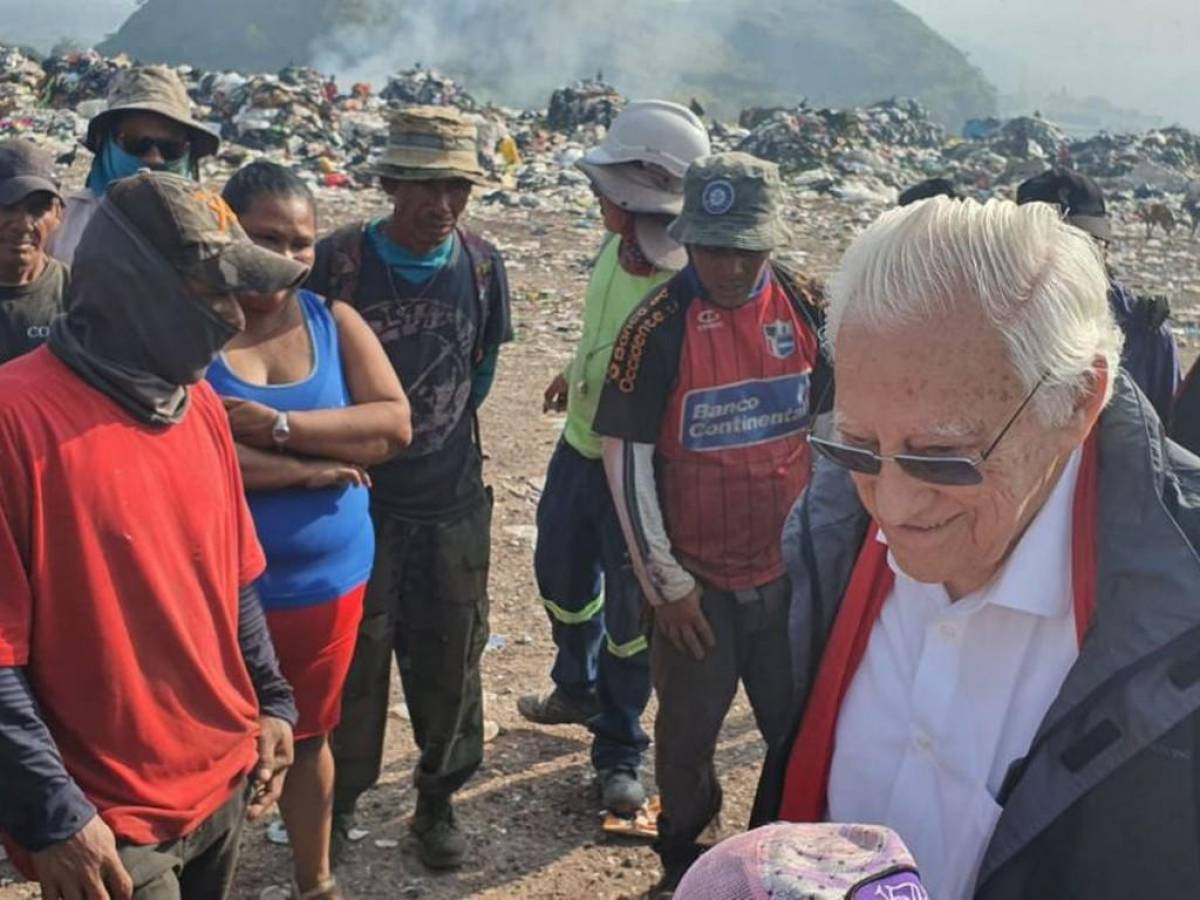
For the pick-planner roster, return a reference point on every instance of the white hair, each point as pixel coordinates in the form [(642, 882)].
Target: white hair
[(1041, 282)]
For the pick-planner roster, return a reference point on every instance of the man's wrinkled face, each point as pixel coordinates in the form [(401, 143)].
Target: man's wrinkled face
[(728, 276), (426, 213), (946, 389), (26, 227)]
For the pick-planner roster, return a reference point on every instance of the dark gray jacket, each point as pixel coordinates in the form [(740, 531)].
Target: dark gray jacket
[(1107, 802)]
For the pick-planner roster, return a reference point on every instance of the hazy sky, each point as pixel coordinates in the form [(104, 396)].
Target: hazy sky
[(1148, 59)]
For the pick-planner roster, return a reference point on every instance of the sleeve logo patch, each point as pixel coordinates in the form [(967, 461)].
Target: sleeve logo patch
[(744, 414)]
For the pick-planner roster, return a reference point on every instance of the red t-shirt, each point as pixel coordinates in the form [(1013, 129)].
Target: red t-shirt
[(122, 550), (724, 395)]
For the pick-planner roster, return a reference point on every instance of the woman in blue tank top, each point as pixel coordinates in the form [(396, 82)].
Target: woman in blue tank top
[(312, 402)]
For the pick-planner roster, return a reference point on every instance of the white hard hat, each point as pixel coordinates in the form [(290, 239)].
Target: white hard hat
[(653, 132)]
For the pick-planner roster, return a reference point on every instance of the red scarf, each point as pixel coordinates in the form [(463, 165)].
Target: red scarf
[(806, 781)]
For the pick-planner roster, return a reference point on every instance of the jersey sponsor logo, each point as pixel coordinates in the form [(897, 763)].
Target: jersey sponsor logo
[(781, 338), (718, 197), (708, 319), (37, 332), (745, 413)]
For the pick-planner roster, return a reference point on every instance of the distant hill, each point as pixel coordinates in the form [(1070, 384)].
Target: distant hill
[(727, 53)]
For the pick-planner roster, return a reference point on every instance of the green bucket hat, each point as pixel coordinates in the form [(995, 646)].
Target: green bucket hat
[(731, 200), (152, 89)]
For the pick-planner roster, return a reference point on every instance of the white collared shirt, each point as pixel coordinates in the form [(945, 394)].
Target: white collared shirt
[(949, 695)]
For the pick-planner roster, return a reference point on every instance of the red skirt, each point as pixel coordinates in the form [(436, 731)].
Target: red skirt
[(315, 645)]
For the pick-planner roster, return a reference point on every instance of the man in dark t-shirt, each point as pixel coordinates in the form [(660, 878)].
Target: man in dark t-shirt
[(705, 416), (32, 284), (436, 295)]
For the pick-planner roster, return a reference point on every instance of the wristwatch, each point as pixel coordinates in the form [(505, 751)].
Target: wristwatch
[(281, 430)]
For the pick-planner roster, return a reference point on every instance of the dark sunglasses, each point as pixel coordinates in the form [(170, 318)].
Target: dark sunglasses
[(951, 471), (169, 150)]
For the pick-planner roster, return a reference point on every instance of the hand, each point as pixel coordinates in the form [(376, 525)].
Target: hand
[(555, 398), (252, 424), (329, 473), (275, 755), (684, 625), (85, 866)]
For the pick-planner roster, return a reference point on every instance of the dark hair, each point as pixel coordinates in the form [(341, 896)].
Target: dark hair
[(265, 179), (931, 187)]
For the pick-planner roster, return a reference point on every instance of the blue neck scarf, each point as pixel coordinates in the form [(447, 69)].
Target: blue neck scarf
[(113, 163), (412, 268)]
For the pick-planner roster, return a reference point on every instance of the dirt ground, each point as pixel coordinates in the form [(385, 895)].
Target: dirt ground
[(532, 811)]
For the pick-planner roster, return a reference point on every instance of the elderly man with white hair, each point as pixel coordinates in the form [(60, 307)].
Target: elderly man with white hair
[(996, 589)]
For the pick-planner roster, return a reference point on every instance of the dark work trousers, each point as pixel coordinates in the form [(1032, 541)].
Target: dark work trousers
[(591, 594), (426, 603), (693, 698), (198, 866)]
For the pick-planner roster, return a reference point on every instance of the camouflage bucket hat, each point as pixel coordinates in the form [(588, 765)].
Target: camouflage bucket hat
[(732, 200), (152, 89), (427, 143)]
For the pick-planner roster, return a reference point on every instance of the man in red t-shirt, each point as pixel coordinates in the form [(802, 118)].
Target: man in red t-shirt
[(141, 707), (705, 416)]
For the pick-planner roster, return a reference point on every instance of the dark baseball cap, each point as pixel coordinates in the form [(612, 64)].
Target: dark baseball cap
[(1077, 196), (199, 235), (25, 169), (930, 187)]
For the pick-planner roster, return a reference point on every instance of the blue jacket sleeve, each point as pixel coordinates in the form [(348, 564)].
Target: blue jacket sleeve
[(40, 804), (274, 693)]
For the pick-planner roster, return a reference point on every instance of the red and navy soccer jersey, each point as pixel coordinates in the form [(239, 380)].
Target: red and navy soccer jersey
[(724, 395)]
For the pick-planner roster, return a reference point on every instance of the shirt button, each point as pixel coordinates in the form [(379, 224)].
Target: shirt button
[(922, 742), (948, 632)]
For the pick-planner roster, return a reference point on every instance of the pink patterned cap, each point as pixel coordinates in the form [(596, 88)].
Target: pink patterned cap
[(806, 862)]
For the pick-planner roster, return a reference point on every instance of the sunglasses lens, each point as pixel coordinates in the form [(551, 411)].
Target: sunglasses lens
[(169, 150), (861, 461), (949, 472)]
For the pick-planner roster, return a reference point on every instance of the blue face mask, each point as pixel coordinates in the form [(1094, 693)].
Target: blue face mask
[(114, 163)]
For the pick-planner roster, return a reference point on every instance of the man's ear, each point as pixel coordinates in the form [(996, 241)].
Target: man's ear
[(1091, 401)]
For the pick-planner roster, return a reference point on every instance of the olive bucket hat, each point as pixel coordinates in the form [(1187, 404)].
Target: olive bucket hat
[(152, 89), (732, 200)]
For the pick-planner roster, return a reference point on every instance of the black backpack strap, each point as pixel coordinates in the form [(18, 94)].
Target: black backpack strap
[(345, 261), (479, 254)]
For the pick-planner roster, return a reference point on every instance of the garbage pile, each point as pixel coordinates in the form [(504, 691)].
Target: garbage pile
[(289, 111), (78, 77), (20, 80), (583, 103), (867, 155), (426, 87)]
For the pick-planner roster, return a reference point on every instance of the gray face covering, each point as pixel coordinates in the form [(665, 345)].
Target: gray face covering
[(134, 329)]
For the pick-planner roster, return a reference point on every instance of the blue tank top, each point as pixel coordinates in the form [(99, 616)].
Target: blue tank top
[(319, 543)]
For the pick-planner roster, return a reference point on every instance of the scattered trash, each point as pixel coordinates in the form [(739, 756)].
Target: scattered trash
[(643, 824), (386, 843), (496, 642), (277, 833)]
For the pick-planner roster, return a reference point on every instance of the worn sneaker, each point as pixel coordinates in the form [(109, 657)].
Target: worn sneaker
[(440, 842), (620, 791), (557, 708)]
